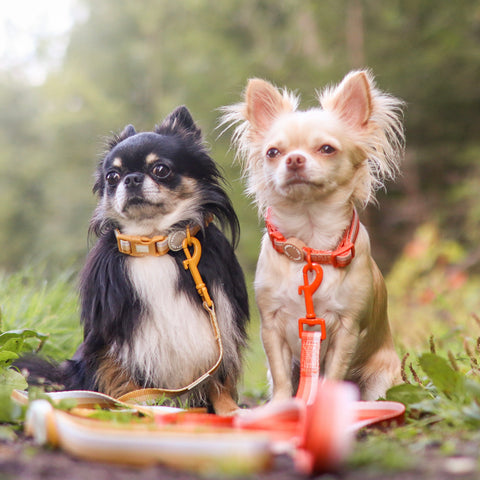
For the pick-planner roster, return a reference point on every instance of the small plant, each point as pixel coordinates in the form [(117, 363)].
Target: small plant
[(442, 398), (166, 401), (119, 417), (12, 344), (29, 304), (447, 388)]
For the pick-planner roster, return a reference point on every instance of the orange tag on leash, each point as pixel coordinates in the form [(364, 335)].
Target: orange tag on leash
[(309, 367)]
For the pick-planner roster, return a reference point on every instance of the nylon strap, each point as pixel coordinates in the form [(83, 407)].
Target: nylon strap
[(311, 340), (309, 367), (296, 250)]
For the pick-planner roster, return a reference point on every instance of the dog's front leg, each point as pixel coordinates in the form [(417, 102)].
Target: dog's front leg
[(221, 397), (341, 348), (279, 358)]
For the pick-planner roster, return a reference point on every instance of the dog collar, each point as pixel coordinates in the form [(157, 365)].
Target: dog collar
[(297, 251), (142, 246)]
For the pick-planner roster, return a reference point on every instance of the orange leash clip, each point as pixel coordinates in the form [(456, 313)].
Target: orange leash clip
[(310, 353), (191, 263)]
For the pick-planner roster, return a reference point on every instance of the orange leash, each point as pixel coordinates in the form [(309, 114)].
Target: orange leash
[(311, 340)]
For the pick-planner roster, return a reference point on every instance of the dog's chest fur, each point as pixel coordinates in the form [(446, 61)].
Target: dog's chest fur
[(173, 343)]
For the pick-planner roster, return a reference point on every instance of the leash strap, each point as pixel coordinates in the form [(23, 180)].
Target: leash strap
[(152, 394), (297, 251), (311, 340), (191, 263), (309, 367)]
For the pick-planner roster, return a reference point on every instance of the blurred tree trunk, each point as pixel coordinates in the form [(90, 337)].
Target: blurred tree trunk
[(354, 33)]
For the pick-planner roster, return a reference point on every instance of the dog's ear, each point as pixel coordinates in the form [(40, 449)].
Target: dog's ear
[(351, 100), (264, 103), (179, 121), (376, 119), (128, 131)]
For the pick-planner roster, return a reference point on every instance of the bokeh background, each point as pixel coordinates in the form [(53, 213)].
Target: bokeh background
[(82, 69)]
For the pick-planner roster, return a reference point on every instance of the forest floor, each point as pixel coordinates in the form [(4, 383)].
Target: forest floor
[(22, 460)]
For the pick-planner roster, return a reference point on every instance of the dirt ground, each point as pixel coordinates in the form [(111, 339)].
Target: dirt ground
[(22, 460)]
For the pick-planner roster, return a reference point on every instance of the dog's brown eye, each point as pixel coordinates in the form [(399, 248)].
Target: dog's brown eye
[(327, 150), (112, 178), (161, 171), (273, 152)]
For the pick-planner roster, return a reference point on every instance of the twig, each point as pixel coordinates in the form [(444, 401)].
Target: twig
[(453, 361), (403, 372)]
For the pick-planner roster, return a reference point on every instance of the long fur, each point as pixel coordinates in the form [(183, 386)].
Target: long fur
[(312, 168), (144, 323)]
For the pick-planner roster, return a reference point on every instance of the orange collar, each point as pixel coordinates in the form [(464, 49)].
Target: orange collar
[(141, 246), (297, 251)]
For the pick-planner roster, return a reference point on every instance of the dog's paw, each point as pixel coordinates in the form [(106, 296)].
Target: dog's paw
[(281, 396), (233, 412), (241, 411)]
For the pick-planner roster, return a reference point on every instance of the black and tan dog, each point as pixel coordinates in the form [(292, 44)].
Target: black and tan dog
[(144, 322)]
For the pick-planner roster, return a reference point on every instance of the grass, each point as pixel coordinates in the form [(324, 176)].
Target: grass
[(255, 384), (31, 300), (433, 305), (35, 312)]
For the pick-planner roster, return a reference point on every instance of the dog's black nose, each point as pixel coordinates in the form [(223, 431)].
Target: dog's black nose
[(133, 180)]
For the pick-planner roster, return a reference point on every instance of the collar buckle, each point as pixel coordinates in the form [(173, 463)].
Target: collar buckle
[(343, 256)]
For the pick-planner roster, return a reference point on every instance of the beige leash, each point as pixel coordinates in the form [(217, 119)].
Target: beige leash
[(191, 263)]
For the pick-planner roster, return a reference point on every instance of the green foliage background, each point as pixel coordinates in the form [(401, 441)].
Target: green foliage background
[(133, 62)]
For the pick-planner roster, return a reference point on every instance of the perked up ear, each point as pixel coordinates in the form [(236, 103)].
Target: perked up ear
[(128, 131), (351, 100), (264, 103), (180, 120)]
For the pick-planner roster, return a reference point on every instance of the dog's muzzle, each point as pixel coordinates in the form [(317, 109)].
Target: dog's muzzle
[(133, 181)]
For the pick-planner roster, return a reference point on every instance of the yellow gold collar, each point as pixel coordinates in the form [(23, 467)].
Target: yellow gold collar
[(141, 246)]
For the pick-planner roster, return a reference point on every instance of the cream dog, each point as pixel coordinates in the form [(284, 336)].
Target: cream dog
[(309, 171)]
